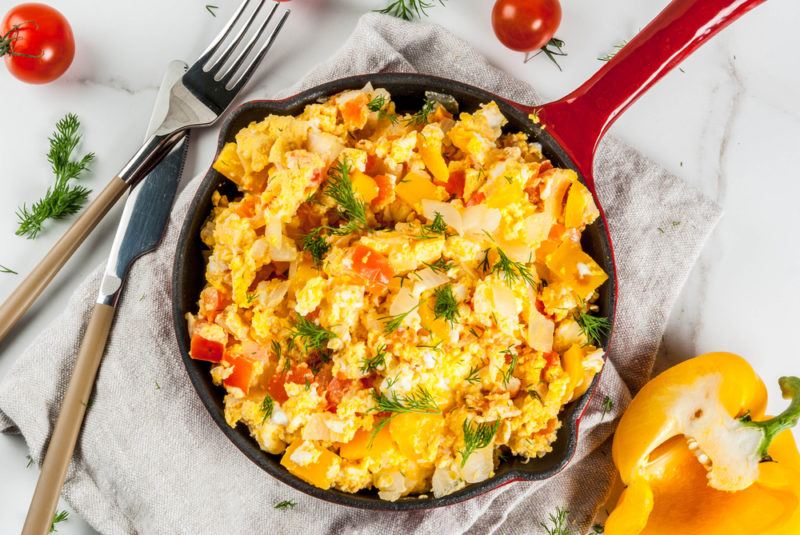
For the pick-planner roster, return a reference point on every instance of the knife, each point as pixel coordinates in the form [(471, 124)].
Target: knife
[(140, 229)]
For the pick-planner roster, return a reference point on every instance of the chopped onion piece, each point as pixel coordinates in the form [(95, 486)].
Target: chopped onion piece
[(449, 212), (403, 302), (504, 301), (275, 294), (540, 331), (428, 280), (537, 227), (325, 145), (480, 218)]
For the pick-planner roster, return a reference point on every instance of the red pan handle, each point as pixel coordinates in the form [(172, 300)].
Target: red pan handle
[(579, 120)]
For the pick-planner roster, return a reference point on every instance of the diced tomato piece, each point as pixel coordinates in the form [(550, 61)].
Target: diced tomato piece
[(556, 231), (368, 381), (551, 358), (337, 389), (384, 189), (298, 375), (545, 166), (477, 198), (242, 374), (208, 350), (455, 184), (211, 302), (372, 265), (372, 164), (247, 207)]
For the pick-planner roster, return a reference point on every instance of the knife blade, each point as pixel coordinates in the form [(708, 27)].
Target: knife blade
[(140, 229)]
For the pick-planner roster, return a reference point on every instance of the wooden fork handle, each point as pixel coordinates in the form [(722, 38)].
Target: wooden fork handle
[(68, 425), (26, 293)]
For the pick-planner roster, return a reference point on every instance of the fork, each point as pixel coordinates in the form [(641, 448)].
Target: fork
[(197, 100)]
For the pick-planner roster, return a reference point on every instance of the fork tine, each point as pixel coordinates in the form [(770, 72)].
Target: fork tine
[(250, 69), (208, 52), (233, 43), (234, 66)]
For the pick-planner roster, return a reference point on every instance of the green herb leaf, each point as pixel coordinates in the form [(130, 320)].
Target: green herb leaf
[(408, 9), (607, 406), (510, 270), (421, 117), (476, 437), (286, 504), (340, 189), (267, 406), (509, 373), (62, 198), (617, 47), (315, 337), (210, 8), (473, 375), (316, 244), (554, 47), (445, 305), (4, 269), (378, 361), (418, 401), (61, 516), (435, 229), (557, 524), (377, 103), (394, 322), (30, 461), (594, 327)]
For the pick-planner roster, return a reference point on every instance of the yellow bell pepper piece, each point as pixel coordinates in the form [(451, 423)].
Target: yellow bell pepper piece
[(229, 165), (690, 449), (364, 444), (320, 472), (505, 194), (430, 148), (571, 265), (364, 185), (572, 362), (438, 326), (413, 433), (414, 187), (580, 209)]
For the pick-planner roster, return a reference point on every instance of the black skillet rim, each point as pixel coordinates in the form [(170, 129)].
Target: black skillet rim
[(211, 395)]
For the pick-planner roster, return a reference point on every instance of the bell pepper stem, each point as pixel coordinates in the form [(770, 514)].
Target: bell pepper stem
[(790, 388)]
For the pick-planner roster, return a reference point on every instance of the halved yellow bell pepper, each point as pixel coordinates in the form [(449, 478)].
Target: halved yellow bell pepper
[(698, 457)]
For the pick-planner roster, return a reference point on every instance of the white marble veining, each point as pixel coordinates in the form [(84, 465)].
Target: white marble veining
[(728, 123)]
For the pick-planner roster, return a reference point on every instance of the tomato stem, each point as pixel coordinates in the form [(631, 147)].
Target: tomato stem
[(11, 36), (790, 388)]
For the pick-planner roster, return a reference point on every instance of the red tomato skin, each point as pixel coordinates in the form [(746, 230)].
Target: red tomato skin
[(525, 25), (299, 374), (208, 350), (384, 189), (455, 184), (242, 373), (43, 32), (372, 265)]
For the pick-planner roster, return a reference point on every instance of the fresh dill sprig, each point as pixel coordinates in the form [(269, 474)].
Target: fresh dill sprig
[(606, 406), (377, 103), (340, 189), (286, 504), (594, 327), (435, 229), (210, 8), (61, 516), (394, 322), (373, 363), (62, 198), (554, 47), (419, 401), (316, 244), (445, 305), (267, 406), (315, 337), (472, 376), (408, 9), (277, 349), (440, 266), (511, 270), (509, 373), (617, 47), (4, 269), (476, 437), (421, 117), (30, 461), (598, 529), (533, 394), (484, 264), (557, 524)]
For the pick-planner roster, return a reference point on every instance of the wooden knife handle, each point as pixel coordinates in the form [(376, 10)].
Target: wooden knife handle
[(68, 425), (26, 293)]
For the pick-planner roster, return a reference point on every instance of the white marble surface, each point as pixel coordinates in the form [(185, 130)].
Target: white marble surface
[(729, 124)]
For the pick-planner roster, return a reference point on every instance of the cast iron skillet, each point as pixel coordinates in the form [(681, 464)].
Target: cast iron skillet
[(569, 131)]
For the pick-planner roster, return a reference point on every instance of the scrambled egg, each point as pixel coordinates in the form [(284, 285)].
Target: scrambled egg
[(395, 300)]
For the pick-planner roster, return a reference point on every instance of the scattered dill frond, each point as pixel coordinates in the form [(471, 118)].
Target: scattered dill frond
[(419, 401), (474, 332), (533, 394), (484, 263), (436, 347), (617, 47), (607, 406), (158, 386), (421, 117), (408, 9), (512, 364), (210, 8), (4, 269), (61, 516), (445, 305), (316, 244), (554, 47), (472, 376), (286, 504), (315, 337), (62, 198), (476, 437), (277, 349), (267, 406), (594, 327), (435, 229), (30, 461), (598, 529), (377, 103), (440, 266), (511, 270), (394, 322), (557, 523), (379, 360), (340, 189)]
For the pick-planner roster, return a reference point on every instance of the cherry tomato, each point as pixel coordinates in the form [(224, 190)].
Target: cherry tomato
[(525, 25), (37, 43), (372, 265)]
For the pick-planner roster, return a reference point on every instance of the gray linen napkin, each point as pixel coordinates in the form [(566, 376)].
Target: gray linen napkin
[(150, 459)]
